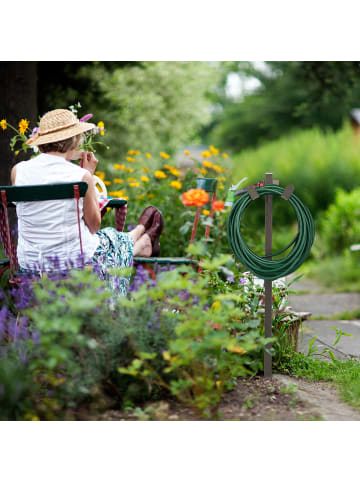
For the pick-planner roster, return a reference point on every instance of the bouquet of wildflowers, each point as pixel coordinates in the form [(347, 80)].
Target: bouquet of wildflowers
[(23, 133), (89, 137)]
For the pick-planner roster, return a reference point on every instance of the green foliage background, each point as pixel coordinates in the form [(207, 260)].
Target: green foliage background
[(152, 106), (290, 96)]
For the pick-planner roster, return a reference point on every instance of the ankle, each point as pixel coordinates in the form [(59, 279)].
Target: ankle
[(137, 232)]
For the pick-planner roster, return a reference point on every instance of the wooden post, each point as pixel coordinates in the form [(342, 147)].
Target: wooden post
[(268, 283)]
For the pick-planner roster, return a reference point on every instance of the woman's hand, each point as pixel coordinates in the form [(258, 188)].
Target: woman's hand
[(89, 161)]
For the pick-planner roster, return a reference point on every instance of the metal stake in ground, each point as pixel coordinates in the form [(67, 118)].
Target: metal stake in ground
[(268, 283)]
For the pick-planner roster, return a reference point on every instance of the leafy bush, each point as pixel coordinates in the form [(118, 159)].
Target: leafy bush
[(339, 224), (63, 340)]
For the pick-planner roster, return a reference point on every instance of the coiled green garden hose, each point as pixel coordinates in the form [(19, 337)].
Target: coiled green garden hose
[(260, 266)]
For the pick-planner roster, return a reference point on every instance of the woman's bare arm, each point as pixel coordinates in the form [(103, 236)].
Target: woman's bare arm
[(92, 216), (13, 175)]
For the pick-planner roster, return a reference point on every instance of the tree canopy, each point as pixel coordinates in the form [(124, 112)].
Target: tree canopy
[(291, 95)]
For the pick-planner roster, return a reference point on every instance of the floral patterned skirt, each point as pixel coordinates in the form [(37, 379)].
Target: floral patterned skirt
[(116, 250)]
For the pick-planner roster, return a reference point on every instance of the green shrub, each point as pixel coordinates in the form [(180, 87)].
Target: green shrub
[(317, 163), (340, 222)]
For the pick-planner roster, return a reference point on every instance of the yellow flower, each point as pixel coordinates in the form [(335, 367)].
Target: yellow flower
[(237, 349), (176, 184), (206, 212), (216, 305), (134, 184), (117, 193), (150, 195), (148, 155), (131, 152), (100, 125), (144, 178), (221, 186), (164, 155), (214, 150), (23, 125), (187, 152), (16, 153), (107, 183), (174, 171), (102, 132), (166, 355), (129, 169), (140, 196), (125, 197), (160, 175), (131, 179), (207, 164), (166, 166), (146, 169), (136, 152), (216, 168), (119, 166), (3, 124), (118, 181), (222, 178), (223, 170), (100, 174), (225, 156), (130, 159), (203, 171), (206, 154)]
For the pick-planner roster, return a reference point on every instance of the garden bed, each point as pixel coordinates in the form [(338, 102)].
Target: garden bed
[(253, 399)]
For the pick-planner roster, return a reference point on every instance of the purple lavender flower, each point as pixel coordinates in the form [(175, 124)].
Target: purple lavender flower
[(242, 281), (230, 278), (86, 117), (196, 300), (149, 324), (131, 227), (34, 131), (36, 338), (22, 357), (184, 295), (141, 276)]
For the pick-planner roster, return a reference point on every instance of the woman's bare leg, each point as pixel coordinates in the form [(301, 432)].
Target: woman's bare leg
[(137, 232), (143, 246)]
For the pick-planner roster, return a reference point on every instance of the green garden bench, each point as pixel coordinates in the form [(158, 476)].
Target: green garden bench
[(48, 192)]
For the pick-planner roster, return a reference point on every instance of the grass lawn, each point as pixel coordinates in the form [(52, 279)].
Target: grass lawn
[(345, 374), (339, 274)]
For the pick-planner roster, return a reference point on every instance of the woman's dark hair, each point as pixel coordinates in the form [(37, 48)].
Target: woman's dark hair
[(61, 146)]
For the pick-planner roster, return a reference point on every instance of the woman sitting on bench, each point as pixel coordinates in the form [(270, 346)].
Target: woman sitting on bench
[(49, 230)]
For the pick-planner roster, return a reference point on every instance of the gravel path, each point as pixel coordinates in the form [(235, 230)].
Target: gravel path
[(322, 397)]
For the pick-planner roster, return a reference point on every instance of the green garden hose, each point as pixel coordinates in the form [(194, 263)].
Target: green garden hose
[(260, 266)]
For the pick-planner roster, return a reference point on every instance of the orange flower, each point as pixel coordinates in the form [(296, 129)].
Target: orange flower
[(218, 205), (195, 197)]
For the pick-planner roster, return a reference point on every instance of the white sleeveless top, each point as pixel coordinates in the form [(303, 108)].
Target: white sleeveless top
[(49, 229)]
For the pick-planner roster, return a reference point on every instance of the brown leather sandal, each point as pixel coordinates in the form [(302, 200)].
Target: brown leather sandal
[(154, 232), (147, 216)]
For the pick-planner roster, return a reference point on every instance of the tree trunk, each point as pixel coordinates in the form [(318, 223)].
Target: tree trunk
[(18, 100)]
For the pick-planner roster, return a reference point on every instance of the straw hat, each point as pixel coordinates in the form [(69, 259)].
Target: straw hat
[(58, 125)]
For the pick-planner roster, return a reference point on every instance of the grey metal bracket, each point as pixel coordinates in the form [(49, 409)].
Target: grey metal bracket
[(252, 192), (288, 192)]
